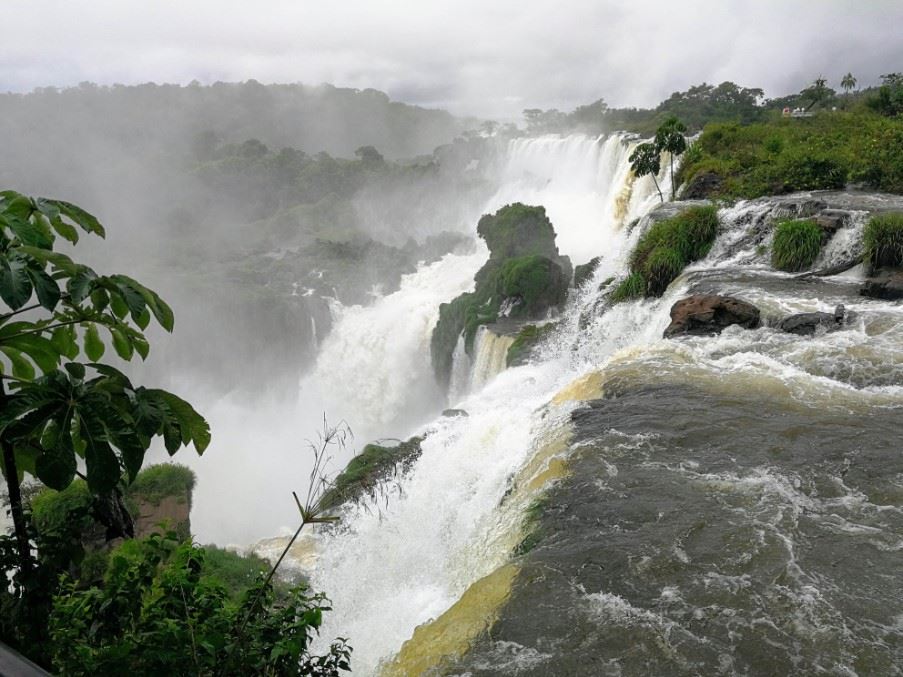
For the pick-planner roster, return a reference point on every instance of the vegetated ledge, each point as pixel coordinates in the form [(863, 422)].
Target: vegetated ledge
[(367, 471), (525, 278), (160, 493), (665, 249)]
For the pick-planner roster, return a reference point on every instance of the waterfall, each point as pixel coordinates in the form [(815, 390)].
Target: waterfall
[(585, 184), (490, 356), (396, 565), (375, 370)]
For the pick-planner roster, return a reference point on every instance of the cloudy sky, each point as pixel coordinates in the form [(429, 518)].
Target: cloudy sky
[(483, 57)]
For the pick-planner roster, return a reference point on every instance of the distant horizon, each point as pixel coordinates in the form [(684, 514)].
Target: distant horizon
[(486, 60), (427, 106)]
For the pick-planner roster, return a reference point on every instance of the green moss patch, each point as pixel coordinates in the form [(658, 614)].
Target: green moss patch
[(796, 245), (517, 230), (882, 241), (528, 338)]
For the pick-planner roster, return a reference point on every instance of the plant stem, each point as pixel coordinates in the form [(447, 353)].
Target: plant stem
[(671, 160), (15, 497), (660, 196)]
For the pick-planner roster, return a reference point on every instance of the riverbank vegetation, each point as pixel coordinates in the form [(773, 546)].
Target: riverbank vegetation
[(73, 601)]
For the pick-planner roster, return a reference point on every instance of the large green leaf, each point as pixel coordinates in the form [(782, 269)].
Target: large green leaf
[(22, 368), (94, 347), (45, 287), (193, 426), (81, 284), (121, 343), (63, 340), (15, 284), (41, 350), (86, 221), (33, 232), (56, 465), (52, 212)]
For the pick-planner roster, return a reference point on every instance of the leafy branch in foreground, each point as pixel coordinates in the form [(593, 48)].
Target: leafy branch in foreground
[(59, 418)]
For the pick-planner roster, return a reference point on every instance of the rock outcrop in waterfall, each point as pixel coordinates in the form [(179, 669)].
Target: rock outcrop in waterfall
[(525, 278)]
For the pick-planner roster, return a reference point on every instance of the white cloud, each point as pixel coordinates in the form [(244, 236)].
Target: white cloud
[(487, 58)]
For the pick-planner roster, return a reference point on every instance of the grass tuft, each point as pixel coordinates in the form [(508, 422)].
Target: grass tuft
[(796, 245), (882, 240)]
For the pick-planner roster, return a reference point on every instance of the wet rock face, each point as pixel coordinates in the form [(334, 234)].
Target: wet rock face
[(702, 186), (706, 314), (806, 324), (886, 284)]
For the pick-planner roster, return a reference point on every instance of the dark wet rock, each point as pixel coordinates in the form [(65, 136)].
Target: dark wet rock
[(705, 314), (797, 207), (885, 284), (832, 220), (454, 413), (702, 186), (806, 324), (584, 271)]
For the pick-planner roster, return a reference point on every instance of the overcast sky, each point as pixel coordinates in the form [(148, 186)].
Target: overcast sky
[(483, 57)]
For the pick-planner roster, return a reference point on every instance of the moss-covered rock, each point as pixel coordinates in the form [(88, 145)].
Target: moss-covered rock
[(518, 230), (160, 493), (525, 278), (526, 341), (530, 286), (364, 473)]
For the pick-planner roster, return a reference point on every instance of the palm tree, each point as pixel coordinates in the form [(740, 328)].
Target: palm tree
[(647, 159), (848, 83), (670, 137)]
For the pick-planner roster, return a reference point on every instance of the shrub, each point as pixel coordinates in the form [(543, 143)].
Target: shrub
[(235, 572), (882, 240), (159, 613), (796, 245), (780, 155)]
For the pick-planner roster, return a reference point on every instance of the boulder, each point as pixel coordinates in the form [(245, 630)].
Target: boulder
[(886, 284), (806, 324), (706, 314), (702, 186), (454, 413), (832, 220)]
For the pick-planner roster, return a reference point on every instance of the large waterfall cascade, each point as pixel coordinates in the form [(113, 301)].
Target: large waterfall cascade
[(444, 530), (406, 561)]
